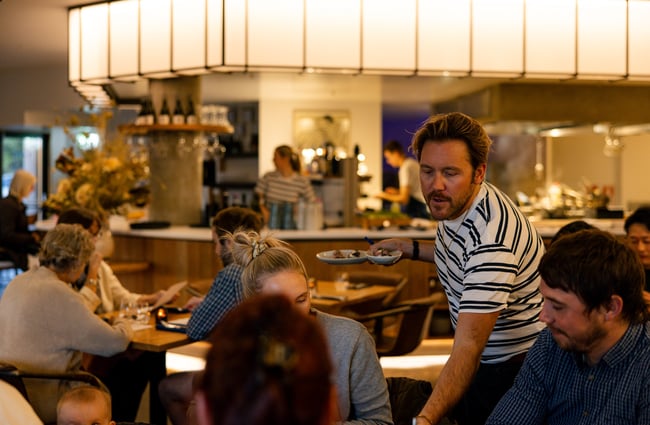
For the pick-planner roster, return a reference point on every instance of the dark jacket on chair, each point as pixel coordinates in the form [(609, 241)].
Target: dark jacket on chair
[(407, 398)]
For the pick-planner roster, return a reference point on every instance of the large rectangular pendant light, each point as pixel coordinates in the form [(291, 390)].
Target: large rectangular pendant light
[(94, 43), (124, 40), (275, 34), (155, 38), (443, 37), (235, 35), (214, 34), (388, 37), (189, 37), (333, 35), (602, 39), (74, 46), (497, 38), (638, 60), (550, 39)]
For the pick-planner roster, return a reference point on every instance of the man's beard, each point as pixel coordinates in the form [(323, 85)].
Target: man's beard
[(455, 208), (581, 345)]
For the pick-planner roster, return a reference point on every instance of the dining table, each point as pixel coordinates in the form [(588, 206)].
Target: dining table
[(333, 297), (147, 337)]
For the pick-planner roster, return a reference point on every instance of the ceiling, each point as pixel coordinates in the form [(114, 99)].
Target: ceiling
[(33, 33)]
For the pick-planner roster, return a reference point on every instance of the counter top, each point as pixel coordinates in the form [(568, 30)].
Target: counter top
[(547, 229)]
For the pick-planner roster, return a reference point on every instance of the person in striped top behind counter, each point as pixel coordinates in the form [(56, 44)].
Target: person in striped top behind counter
[(285, 184), (487, 254)]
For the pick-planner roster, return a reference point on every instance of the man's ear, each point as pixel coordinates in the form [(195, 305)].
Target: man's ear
[(614, 308), (479, 173)]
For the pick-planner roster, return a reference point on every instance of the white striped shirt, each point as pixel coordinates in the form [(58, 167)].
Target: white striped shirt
[(273, 187), (487, 261)]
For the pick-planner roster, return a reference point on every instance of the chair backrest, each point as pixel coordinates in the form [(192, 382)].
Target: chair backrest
[(10, 374), (413, 327), (397, 280), (17, 378)]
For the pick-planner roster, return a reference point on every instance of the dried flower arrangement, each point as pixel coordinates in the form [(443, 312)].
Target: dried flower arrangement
[(104, 179)]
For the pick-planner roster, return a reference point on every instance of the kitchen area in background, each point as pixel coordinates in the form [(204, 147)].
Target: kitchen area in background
[(566, 163)]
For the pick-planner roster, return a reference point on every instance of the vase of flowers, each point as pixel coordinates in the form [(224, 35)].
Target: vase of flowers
[(105, 179)]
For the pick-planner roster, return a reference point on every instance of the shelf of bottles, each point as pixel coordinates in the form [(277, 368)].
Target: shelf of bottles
[(148, 128), (214, 120)]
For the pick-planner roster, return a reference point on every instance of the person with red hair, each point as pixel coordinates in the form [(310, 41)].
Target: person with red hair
[(269, 364)]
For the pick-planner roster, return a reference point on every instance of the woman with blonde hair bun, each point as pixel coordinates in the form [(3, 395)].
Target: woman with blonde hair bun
[(250, 246), (271, 267)]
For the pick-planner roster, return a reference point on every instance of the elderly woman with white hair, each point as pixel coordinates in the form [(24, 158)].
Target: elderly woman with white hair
[(15, 236)]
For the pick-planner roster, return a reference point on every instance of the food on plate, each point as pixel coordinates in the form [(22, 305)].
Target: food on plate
[(383, 252), (340, 254)]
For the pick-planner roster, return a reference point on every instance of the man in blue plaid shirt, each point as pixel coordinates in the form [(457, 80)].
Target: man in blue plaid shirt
[(591, 365), (225, 293)]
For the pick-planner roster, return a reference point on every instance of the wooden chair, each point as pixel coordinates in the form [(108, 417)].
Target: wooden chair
[(398, 280), (17, 378), (411, 327)]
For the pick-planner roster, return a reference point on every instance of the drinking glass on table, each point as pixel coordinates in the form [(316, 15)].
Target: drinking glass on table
[(342, 281), (135, 311), (142, 313), (127, 310)]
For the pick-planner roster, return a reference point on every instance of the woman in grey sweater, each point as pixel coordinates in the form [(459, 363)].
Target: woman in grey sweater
[(45, 325), (271, 267)]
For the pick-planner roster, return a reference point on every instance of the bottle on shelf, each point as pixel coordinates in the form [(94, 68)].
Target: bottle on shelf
[(164, 117), (191, 117), (146, 115), (179, 115), (141, 118), (150, 117)]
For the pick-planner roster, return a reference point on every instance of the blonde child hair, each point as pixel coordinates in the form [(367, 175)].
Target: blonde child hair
[(85, 395)]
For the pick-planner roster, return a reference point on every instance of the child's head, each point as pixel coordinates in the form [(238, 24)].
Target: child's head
[(84, 405)]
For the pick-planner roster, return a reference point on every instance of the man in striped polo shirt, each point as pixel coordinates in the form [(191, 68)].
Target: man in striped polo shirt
[(487, 254)]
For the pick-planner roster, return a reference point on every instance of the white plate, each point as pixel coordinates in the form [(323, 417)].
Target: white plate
[(386, 259), (329, 258)]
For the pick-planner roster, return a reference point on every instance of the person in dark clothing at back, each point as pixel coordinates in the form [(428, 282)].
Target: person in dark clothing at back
[(409, 194), (570, 228), (16, 241), (637, 230)]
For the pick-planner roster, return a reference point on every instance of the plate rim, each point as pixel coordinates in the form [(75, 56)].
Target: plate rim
[(347, 260)]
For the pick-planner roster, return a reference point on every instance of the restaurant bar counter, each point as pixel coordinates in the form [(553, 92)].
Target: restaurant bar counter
[(187, 253)]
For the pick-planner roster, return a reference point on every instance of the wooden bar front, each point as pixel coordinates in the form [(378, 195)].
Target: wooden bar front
[(173, 260)]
